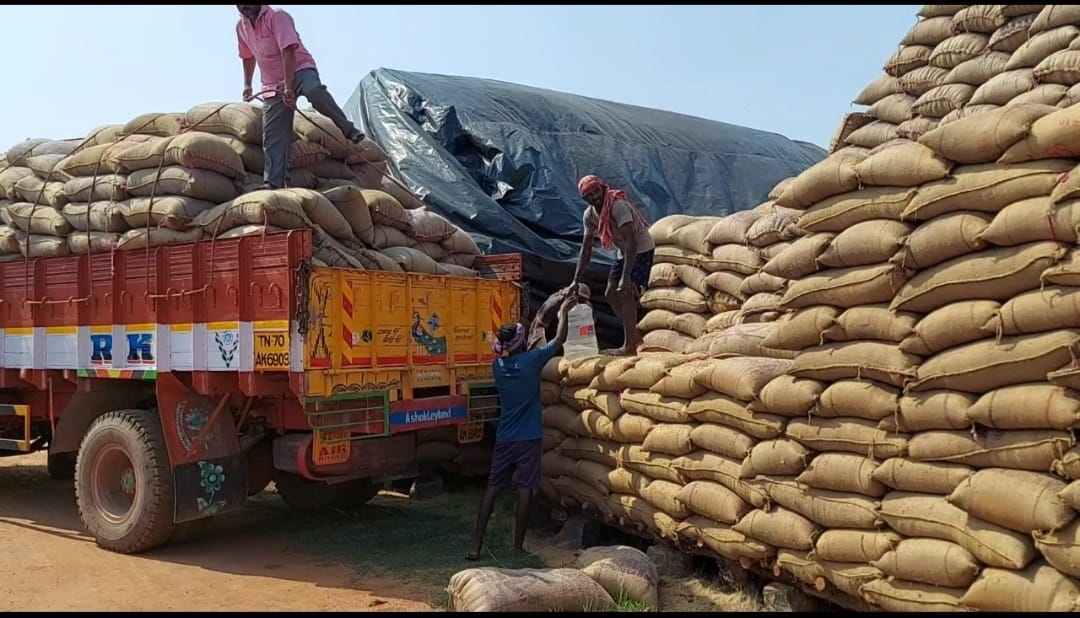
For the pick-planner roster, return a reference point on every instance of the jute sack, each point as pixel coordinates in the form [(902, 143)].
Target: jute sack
[(670, 254), (828, 509), (36, 191), (1038, 47), (647, 371), (837, 213), (930, 410), (92, 242), (663, 276), (958, 48), (722, 440), (847, 436), (526, 590), (167, 211), (385, 210), (1054, 16), (670, 439), (950, 326), (865, 243), (941, 100), (916, 127), (705, 466), (174, 180), (573, 491), (599, 372), (1032, 220), (679, 381), (663, 231), (156, 237), (921, 477), (94, 160), (854, 545), (801, 329), (1068, 185), (923, 516), (623, 481), (741, 378), (880, 88), (843, 472), (157, 124), (801, 565), (714, 501), (930, 561), (36, 219), (194, 149), (780, 187), (1061, 548), (776, 225), (1027, 406), (9, 177), (107, 187), (427, 226), (1049, 308), (1039, 588), (693, 236), (677, 299), (719, 302), (872, 322), (1066, 273), (43, 166), (775, 457), (800, 259), (281, 208), (631, 428), (943, 238), (722, 281), (831, 176), (252, 156), (730, 229), (929, 32), (881, 362), (1018, 449), (864, 399), (1061, 67), (461, 243), (849, 577), (761, 282), (984, 188), (902, 596), (240, 120), (993, 274), (550, 371), (351, 204), (412, 260), (983, 366), (1049, 137), (249, 230), (907, 58), (624, 572), (17, 154), (780, 528), (980, 69), (917, 83), (717, 408), (1046, 94), (661, 494), (746, 340), (760, 303), (1071, 494), (788, 396), (735, 258), (656, 466), (40, 246), (720, 322), (693, 278), (985, 18), (845, 287), (723, 539), (560, 417), (1004, 87), (872, 135), (383, 236), (1014, 499), (549, 393), (9, 243), (591, 473)]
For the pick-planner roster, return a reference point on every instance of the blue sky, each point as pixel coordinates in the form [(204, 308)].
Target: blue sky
[(791, 70)]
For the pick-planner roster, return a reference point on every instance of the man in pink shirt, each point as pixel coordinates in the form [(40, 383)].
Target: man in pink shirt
[(267, 37)]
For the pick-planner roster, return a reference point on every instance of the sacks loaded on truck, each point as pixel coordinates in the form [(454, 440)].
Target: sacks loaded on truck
[(177, 342)]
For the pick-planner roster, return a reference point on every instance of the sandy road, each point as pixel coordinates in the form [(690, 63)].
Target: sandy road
[(241, 563)]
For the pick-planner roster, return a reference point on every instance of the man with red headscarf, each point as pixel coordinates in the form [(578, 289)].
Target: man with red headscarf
[(611, 217)]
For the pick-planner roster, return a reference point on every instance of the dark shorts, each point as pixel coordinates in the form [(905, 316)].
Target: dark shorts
[(516, 463), (639, 273)]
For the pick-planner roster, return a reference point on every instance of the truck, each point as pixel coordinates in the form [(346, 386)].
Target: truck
[(172, 383)]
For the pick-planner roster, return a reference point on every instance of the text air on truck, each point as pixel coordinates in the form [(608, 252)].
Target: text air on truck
[(175, 382)]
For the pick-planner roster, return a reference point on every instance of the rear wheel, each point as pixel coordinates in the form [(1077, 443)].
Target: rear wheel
[(123, 483)]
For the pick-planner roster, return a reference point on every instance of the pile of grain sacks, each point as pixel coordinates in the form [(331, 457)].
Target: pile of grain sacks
[(915, 448), (181, 177)]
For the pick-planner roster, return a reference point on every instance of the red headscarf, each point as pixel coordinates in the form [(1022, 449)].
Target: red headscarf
[(592, 183)]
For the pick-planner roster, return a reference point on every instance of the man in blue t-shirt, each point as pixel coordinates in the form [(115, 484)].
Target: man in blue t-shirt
[(520, 438)]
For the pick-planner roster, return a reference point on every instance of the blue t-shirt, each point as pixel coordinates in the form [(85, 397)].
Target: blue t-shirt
[(517, 380)]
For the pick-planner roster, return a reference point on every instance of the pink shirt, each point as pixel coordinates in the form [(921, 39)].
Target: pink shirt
[(274, 30)]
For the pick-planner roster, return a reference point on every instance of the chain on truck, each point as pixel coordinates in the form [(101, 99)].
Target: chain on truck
[(172, 383)]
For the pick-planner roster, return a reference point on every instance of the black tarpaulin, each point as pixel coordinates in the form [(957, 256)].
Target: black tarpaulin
[(502, 162)]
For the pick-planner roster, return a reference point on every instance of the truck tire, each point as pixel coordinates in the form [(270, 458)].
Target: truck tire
[(61, 466), (123, 482)]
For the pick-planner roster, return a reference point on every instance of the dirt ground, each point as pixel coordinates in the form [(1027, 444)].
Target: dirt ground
[(393, 555)]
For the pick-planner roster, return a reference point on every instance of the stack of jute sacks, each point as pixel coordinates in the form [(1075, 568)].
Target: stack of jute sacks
[(180, 177), (917, 451), (707, 274)]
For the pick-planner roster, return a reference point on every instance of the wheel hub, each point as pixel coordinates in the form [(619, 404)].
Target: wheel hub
[(114, 483)]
